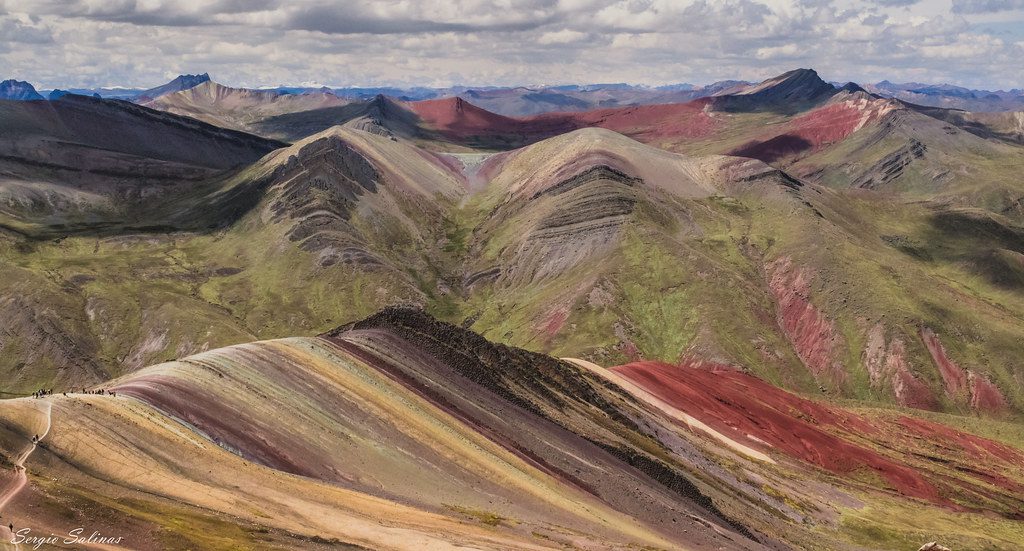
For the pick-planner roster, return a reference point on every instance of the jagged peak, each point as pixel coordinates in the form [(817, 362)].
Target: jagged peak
[(18, 90), (198, 78), (181, 82)]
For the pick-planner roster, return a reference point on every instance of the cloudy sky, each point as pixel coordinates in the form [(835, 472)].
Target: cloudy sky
[(66, 43)]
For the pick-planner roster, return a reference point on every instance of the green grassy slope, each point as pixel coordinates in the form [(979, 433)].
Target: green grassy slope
[(670, 258)]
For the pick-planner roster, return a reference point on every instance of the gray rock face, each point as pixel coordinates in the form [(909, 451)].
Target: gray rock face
[(317, 189), (575, 219)]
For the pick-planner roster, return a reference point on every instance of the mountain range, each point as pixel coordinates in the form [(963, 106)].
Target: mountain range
[(532, 100), (783, 315)]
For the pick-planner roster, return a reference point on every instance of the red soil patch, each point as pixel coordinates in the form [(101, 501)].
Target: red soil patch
[(832, 123), (890, 363), (953, 376), (457, 118), (821, 127), (912, 456), (911, 392), (982, 450), (960, 384), (985, 396), (554, 321), (971, 456), (731, 401), (813, 336), (814, 130), (647, 122)]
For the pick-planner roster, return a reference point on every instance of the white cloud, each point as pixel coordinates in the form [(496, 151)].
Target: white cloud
[(786, 51), (65, 43), (564, 36), (965, 46)]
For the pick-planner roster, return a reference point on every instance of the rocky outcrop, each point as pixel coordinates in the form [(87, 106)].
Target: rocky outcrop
[(891, 166), (954, 378)]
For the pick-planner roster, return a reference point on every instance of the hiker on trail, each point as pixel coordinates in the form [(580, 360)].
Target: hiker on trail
[(35, 438)]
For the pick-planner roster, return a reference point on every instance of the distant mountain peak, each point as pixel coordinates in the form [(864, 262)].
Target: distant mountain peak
[(190, 81), (380, 104), (181, 82), (453, 103), (796, 84), (198, 79), (852, 87), (18, 90), (797, 73), (789, 92)]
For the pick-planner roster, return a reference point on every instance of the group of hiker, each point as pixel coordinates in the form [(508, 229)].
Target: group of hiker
[(97, 391), (47, 392)]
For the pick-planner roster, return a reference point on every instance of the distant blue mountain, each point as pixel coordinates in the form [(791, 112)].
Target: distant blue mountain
[(18, 90), (57, 94)]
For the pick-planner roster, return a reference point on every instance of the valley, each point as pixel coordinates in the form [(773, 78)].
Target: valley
[(783, 315)]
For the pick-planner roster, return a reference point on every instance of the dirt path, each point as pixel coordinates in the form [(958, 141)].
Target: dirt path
[(11, 489)]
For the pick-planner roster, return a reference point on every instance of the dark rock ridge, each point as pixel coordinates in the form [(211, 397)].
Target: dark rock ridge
[(124, 127), (891, 166), (132, 162), (788, 92)]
